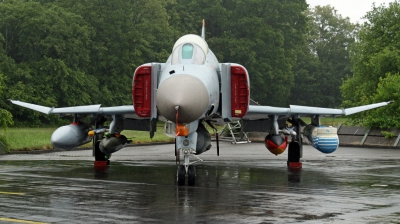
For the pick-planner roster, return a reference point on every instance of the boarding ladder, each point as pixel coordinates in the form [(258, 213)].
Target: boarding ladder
[(237, 137)]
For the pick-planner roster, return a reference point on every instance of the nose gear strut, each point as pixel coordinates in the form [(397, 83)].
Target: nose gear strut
[(187, 169)]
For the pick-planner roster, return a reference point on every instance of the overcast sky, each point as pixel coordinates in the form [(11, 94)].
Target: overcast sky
[(354, 9)]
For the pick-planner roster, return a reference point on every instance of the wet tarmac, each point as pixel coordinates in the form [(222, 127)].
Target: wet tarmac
[(245, 184)]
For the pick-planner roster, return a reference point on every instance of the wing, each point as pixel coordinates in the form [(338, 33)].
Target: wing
[(262, 112), (80, 132), (88, 109)]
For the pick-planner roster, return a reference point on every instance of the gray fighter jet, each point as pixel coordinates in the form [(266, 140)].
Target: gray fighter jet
[(189, 90)]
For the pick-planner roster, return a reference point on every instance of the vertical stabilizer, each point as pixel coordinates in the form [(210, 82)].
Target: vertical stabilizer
[(203, 30)]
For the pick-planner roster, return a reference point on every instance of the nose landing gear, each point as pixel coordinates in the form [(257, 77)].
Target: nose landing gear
[(181, 175), (187, 169)]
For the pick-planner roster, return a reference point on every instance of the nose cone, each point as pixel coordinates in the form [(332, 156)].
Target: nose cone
[(185, 91)]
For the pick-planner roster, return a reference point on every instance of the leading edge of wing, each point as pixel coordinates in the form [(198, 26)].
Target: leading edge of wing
[(259, 112), (88, 109)]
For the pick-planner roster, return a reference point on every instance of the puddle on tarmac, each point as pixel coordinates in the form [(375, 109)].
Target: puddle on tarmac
[(237, 192)]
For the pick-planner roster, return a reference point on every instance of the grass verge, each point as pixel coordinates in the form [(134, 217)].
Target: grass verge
[(17, 139), (29, 139)]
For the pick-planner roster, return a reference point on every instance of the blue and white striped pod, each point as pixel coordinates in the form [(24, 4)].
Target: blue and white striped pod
[(324, 139)]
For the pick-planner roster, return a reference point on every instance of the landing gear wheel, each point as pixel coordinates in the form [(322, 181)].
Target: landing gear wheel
[(294, 156), (180, 175), (191, 175), (100, 161), (294, 152), (98, 155)]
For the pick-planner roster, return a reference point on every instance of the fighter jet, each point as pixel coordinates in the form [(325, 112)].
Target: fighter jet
[(191, 90)]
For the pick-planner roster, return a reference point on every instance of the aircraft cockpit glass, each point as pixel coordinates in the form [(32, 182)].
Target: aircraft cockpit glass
[(188, 54), (187, 51)]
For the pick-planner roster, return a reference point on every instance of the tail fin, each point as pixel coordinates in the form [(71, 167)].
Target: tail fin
[(203, 30)]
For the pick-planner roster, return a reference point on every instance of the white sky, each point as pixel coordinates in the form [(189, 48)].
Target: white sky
[(354, 9)]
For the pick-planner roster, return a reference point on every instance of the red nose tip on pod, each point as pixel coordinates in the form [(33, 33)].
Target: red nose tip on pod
[(276, 144)]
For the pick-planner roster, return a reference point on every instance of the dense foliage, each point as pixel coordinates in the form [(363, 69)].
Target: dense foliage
[(76, 52), (66, 53), (376, 62), (325, 60), (264, 36)]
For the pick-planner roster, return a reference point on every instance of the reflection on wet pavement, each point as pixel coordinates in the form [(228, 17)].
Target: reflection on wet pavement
[(225, 192)]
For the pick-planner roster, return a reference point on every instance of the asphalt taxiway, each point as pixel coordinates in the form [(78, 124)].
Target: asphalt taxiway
[(245, 184)]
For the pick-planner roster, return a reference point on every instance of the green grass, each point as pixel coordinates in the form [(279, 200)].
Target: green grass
[(329, 121), (27, 138), (144, 136)]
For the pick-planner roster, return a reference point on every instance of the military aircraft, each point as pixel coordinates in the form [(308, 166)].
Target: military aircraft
[(190, 90)]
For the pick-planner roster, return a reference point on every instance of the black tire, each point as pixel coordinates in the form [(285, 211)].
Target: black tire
[(180, 175), (98, 155), (191, 175), (294, 152)]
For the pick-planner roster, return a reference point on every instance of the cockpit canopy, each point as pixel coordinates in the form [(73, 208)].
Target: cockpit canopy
[(189, 49)]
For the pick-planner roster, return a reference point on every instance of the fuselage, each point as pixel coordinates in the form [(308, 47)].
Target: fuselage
[(189, 84)]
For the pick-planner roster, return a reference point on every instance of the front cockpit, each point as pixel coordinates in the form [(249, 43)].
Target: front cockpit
[(188, 81), (189, 49)]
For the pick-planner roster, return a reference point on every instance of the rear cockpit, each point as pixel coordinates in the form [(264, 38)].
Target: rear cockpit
[(189, 49)]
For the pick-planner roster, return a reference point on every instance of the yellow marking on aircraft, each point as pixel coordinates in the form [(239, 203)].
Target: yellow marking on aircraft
[(21, 221), (12, 193)]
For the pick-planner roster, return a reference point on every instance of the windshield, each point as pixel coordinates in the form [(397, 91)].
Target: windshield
[(188, 54), (187, 51)]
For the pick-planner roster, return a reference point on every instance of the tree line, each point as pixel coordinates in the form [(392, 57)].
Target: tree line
[(74, 52)]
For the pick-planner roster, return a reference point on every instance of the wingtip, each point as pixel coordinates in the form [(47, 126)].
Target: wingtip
[(390, 102)]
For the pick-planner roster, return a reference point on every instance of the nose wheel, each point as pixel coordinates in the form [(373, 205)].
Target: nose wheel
[(187, 170), (181, 175), (191, 175)]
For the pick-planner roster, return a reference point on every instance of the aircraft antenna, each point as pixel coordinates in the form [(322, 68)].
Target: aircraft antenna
[(203, 30)]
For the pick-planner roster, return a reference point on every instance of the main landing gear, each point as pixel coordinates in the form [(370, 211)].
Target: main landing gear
[(295, 146), (187, 170), (100, 159), (294, 155)]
